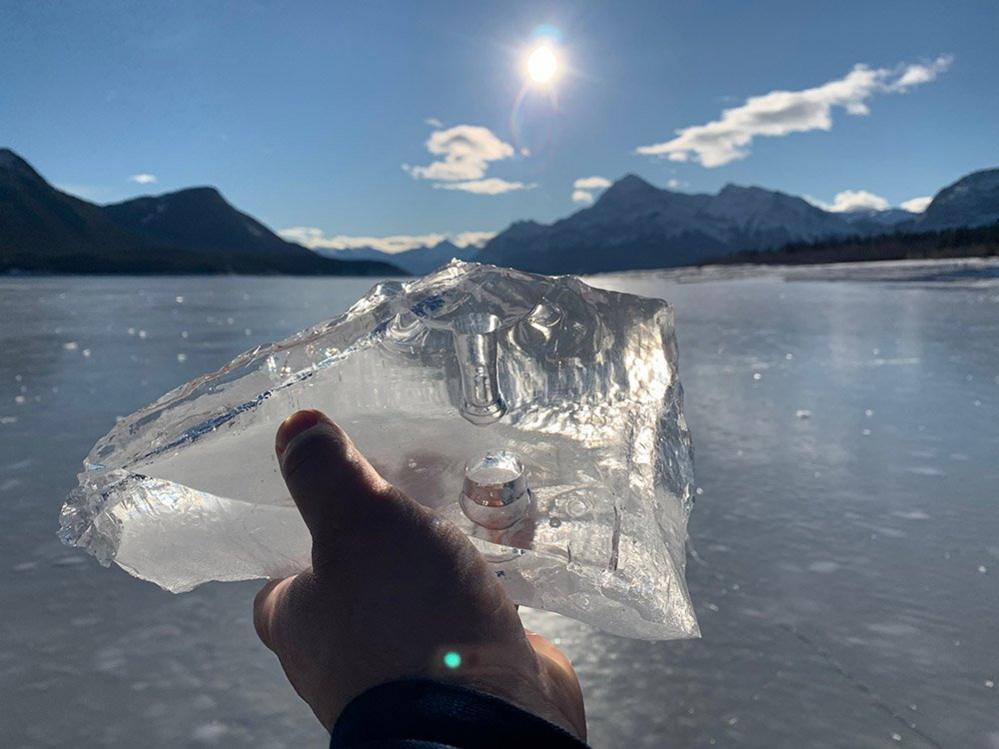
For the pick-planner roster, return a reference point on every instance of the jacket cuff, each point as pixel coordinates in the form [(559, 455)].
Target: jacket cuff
[(420, 710)]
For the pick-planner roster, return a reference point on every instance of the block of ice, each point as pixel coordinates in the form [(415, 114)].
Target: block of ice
[(539, 414)]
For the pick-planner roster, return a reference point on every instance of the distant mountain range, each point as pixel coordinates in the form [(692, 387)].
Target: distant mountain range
[(633, 225), (190, 231), (417, 261)]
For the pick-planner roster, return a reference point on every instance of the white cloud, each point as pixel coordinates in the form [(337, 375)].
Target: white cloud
[(591, 183), (916, 74), (852, 200), (466, 151), (472, 238), (143, 179), (488, 186), (315, 238), (675, 184), (917, 205), (434, 122), (780, 113), (584, 187)]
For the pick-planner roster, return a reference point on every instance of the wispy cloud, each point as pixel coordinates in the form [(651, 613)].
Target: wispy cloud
[(143, 178), (917, 205), (464, 153), (472, 238), (584, 187), (315, 238), (591, 183), (434, 122), (852, 200), (780, 113), (488, 186)]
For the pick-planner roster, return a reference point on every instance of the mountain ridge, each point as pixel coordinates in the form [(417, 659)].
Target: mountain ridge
[(973, 198), (635, 225), (73, 230), (416, 261), (45, 230), (632, 225)]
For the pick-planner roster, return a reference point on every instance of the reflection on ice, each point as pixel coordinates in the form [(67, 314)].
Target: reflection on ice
[(787, 654)]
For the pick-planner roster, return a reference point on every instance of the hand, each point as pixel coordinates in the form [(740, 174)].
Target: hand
[(392, 589)]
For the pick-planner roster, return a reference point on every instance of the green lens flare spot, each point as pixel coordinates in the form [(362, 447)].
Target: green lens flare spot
[(452, 659)]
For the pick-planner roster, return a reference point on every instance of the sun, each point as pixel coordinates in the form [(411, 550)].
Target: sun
[(542, 64)]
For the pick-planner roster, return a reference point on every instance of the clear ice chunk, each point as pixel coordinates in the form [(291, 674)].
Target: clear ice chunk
[(541, 415)]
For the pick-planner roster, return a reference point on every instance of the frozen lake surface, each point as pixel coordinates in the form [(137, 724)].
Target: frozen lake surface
[(845, 562)]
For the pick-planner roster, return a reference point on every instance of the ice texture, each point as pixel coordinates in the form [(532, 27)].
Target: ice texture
[(430, 378)]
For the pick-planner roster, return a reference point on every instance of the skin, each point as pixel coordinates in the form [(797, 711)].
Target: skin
[(393, 588)]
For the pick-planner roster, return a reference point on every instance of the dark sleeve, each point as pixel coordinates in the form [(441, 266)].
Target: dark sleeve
[(422, 714)]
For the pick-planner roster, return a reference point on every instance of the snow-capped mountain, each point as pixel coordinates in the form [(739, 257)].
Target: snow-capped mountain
[(416, 261), (888, 218), (637, 225), (754, 211), (971, 201)]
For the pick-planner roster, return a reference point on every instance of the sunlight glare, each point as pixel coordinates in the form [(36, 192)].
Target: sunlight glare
[(542, 65)]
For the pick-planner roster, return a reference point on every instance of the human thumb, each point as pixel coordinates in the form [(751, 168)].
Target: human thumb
[(332, 483)]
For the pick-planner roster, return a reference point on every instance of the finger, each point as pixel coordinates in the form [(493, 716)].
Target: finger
[(563, 680), (329, 479), (265, 607), (545, 649)]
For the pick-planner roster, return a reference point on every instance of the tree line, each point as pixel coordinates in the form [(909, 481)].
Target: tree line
[(980, 241)]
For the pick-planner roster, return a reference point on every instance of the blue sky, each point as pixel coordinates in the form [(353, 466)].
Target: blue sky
[(319, 115)]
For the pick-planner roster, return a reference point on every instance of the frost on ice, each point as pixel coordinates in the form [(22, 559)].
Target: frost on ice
[(539, 414)]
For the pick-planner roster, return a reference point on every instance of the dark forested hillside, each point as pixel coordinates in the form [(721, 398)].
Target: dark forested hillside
[(981, 241), (44, 230)]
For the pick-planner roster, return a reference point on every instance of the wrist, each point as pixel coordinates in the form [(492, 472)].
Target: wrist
[(423, 710)]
